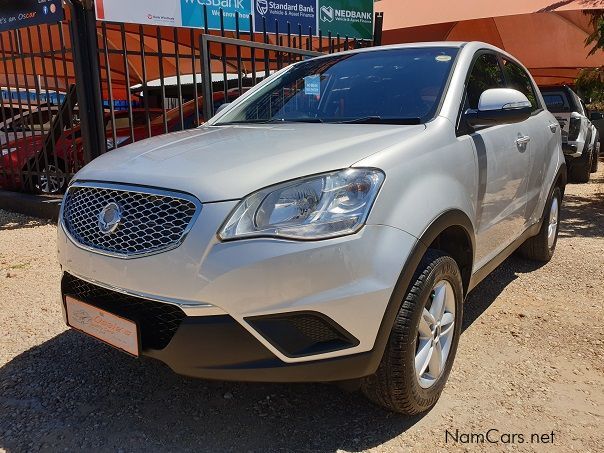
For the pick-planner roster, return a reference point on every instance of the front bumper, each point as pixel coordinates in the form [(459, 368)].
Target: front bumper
[(211, 347), (223, 288), (572, 149)]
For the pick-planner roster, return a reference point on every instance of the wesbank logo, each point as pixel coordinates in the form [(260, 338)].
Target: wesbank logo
[(192, 12), (237, 4)]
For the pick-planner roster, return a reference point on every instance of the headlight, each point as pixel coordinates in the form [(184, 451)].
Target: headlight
[(317, 207)]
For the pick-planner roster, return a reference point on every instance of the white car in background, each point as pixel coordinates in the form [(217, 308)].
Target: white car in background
[(580, 138)]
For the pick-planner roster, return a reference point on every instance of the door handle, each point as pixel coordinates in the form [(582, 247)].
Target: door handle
[(553, 127), (522, 141)]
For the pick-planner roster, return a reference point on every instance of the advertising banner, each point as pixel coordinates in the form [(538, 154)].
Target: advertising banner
[(23, 13), (176, 13), (352, 18), (299, 14), (192, 13)]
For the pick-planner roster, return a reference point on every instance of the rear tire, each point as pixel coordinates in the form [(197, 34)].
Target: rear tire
[(542, 246), (595, 155), (580, 170), (419, 339)]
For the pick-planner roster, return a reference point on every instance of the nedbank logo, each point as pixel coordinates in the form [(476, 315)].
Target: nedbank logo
[(326, 14), (329, 14)]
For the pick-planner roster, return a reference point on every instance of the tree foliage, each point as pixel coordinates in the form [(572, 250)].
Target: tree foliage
[(596, 37), (590, 82)]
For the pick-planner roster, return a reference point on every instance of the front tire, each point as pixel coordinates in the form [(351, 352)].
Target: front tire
[(52, 179), (541, 247), (423, 341)]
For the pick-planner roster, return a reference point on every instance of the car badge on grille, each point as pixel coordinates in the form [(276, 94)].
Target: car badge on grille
[(110, 218)]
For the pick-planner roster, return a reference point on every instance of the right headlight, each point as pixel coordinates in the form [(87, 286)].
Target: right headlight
[(316, 207)]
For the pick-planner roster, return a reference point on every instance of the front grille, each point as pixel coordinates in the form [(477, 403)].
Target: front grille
[(149, 221), (157, 321)]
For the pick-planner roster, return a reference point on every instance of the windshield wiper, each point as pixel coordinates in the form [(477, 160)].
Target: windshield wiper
[(273, 121), (296, 120), (376, 119)]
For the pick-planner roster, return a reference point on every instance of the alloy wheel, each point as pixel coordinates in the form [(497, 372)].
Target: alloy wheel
[(552, 229), (51, 180), (435, 334)]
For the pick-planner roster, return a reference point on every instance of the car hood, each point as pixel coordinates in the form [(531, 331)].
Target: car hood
[(228, 162)]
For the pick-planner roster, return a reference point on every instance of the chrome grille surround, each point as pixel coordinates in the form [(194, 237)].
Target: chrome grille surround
[(152, 220)]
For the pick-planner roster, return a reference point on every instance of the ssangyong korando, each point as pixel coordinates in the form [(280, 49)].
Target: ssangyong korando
[(325, 226)]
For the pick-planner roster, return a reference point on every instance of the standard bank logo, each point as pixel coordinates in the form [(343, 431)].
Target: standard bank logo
[(262, 7)]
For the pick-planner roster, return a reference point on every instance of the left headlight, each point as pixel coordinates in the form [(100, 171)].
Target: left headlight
[(316, 207)]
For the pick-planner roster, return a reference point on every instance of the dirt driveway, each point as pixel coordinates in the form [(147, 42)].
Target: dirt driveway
[(530, 361)]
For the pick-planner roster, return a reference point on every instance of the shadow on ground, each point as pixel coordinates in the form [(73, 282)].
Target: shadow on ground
[(73, 393), (13, 221), (583, 216)]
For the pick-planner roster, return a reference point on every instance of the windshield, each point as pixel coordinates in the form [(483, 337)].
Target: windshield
[(391, 86)]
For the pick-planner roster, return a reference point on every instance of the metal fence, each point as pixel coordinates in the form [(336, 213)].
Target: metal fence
[(132, 82), (38, 101)]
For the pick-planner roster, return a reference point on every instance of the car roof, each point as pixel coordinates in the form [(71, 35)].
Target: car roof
[(472, 46)]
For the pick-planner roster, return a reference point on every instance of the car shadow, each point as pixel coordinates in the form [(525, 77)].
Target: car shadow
[(487, 291), (583, 216), (73, 393)]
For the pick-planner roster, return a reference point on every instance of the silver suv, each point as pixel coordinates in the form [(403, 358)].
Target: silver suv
[(326, 226)]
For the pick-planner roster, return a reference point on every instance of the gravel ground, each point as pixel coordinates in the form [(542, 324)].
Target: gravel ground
[(530, 361)]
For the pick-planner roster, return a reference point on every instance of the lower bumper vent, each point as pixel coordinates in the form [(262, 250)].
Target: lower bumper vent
[(303, 333)]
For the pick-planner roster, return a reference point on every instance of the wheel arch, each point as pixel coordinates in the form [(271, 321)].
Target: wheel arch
[(453, 233), (561, 178), (441, 233)]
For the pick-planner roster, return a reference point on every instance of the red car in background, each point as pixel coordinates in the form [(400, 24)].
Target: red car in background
[(51, 173)]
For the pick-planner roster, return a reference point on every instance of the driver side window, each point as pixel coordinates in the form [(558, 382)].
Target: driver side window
[(486, 74)]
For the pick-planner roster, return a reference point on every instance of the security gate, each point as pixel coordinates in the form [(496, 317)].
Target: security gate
[(79, 88), (36, 78)]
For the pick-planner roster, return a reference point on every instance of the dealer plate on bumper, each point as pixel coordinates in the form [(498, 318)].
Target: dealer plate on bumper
[(113, 330)]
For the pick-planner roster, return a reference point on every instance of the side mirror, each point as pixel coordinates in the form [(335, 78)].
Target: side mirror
[(595, 116), (499, 106), (222, 107)]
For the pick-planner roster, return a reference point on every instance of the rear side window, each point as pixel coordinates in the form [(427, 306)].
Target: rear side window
[(556, 102), (485, 74), (518, 79)]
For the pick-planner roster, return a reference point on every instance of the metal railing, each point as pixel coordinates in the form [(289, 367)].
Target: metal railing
[(74, 90)]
